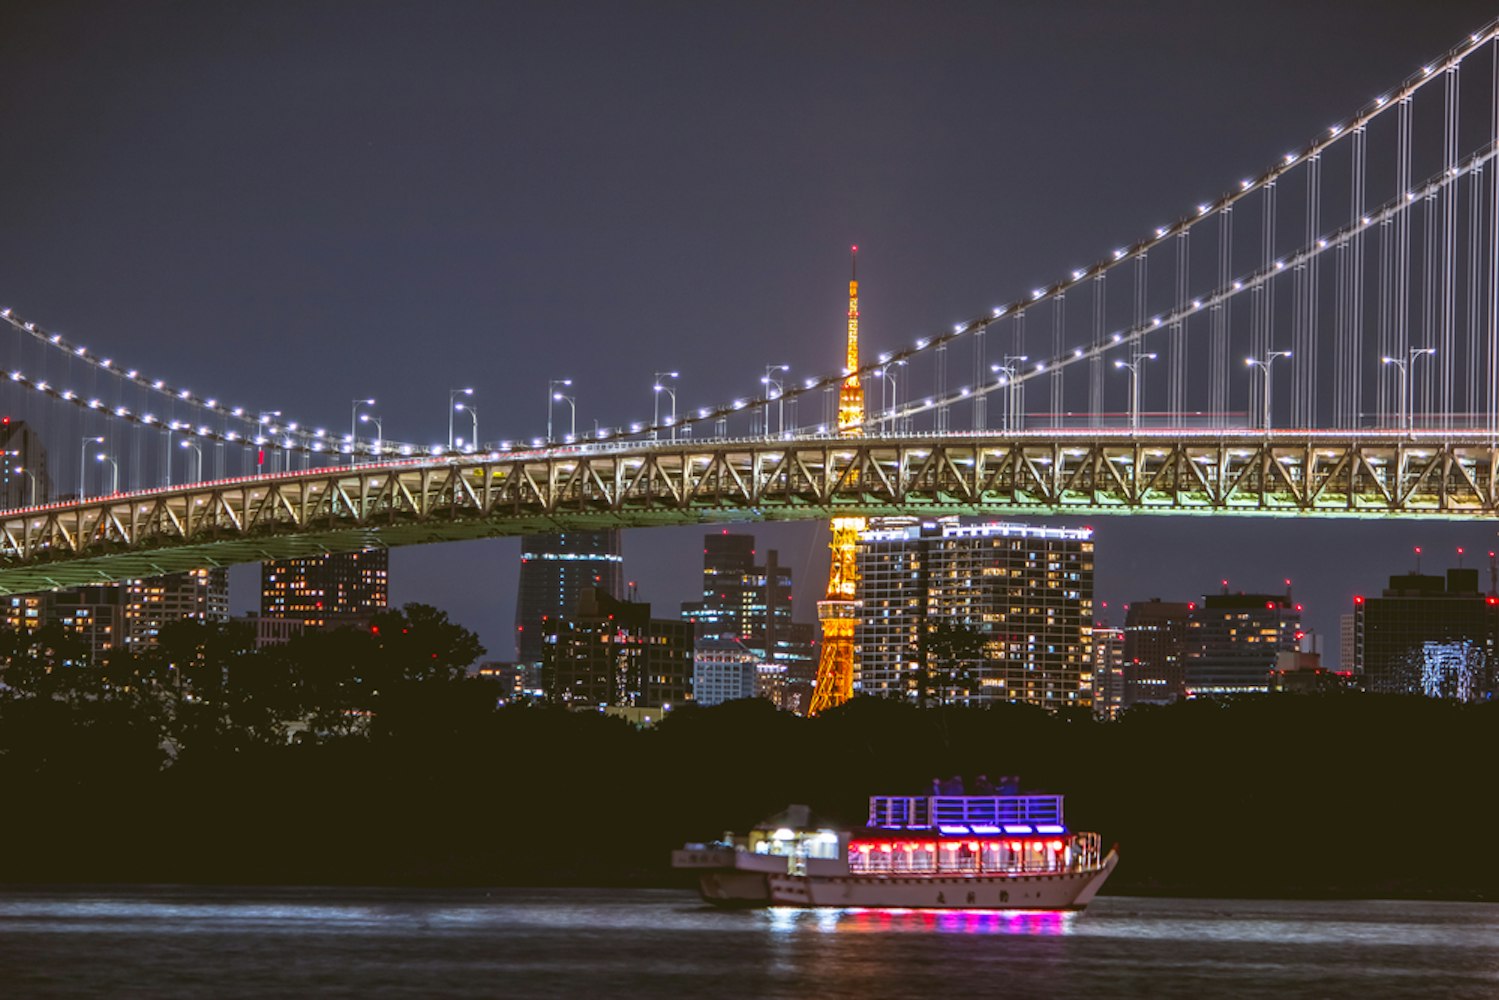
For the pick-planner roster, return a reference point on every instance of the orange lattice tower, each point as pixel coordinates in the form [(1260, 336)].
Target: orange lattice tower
[(839, 610)]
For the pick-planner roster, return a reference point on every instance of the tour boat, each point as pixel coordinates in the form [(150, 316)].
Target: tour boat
[(940, 851)]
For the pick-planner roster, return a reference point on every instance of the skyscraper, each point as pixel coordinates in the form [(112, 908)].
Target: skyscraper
[(747, 602), (613, 653), (555, 572), (1024, 592), (319, 591), (1233, 641), (199, 595), (1155, 635), (24, 478), (1428, 635)]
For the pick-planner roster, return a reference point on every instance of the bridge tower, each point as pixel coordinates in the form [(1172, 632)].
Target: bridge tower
[(839, 610)]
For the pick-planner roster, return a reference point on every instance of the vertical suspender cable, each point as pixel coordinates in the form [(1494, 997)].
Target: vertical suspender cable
[(1218, 360), (1178, 387), (1356, 363), (1058, 330), (1447, 353), (980, 379), (1095, 363)]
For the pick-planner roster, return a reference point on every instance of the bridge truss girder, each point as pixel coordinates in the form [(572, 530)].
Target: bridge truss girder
[(342, 509)]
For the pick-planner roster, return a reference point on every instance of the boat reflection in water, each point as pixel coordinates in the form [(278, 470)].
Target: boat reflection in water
[(1025, 923)]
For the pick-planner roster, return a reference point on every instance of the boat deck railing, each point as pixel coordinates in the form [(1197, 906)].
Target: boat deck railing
[(917, 812)]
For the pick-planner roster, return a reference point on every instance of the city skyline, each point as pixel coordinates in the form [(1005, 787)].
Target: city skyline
[(294, 206)]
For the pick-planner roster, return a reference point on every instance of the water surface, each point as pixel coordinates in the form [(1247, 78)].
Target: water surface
[(194, 942)]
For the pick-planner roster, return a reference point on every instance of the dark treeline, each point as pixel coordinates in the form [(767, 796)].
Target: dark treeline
[(367, 757)]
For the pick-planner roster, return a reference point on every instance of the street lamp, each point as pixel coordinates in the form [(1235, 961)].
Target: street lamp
[(1256, 363), (572, 427), (199, 452), (658, 389), (474, 415), (889, 388), (365, 418), (354, 427), (264, 428), (1407, 419), (114, 481), (552, 396), (1133, 366), (31, 476), (83, 463), (453, 395), (1009, 375), (773, 384)]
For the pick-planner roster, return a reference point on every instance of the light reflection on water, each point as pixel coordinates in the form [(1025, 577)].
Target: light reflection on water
[(862, 920), (189, 942)]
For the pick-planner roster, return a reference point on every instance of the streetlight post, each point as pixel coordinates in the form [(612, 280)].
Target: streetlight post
[(772, 383), (354, 428), (264, 431), (658, 388), (114, 481), (474, 415), (889, 389), (199, 452), (1133, 366), (1407, 418), (365, 418), (83, 463), (1009, 376), (453, 407), (1265, 365), (572, 427), (552, 396), (32, 477)]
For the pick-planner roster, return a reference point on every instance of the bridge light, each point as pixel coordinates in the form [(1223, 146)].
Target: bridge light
[(1244, 184), (158, 384), (132, 373), (999, 311), (1118, 254)]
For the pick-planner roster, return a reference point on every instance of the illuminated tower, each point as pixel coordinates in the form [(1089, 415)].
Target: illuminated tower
[(839, 610)]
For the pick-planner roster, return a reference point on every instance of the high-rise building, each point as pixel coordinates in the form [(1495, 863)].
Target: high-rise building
[(1023, 593), (327, 590), (24, 478), (1233, 641), (613, 653), (723, 671), (1428, 635), (1155, 635), (749, 604), (200, 595), (130, 614), (555, 572), (1108, 670)]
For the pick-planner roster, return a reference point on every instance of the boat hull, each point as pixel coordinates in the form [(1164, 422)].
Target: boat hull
[(1065, 891)]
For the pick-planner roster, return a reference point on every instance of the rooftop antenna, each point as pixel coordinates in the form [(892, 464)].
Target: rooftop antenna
[(1418, 560), (1493, 576), (1459, 557)]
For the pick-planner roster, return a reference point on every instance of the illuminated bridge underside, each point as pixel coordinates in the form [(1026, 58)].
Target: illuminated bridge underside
[(1327, 473)]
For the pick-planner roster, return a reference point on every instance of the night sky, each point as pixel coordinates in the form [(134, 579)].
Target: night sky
[(298, 204)]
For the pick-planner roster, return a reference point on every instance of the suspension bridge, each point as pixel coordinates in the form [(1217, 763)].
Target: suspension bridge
[(1320, 339)]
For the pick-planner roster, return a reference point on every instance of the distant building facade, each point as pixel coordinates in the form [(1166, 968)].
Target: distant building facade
[(24, 476), (327, 590), (1425, 634), (611, 652), (555, 572), (1234, 640), (1027, 591), (723, 671), (1155, 637), (128, 615), (1108, 670), (749, 603)]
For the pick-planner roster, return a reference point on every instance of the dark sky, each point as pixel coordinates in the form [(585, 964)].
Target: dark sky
[(297, 204)]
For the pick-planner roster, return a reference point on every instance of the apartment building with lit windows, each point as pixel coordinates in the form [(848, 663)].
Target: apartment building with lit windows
[(1026, 590), (327, 590)]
